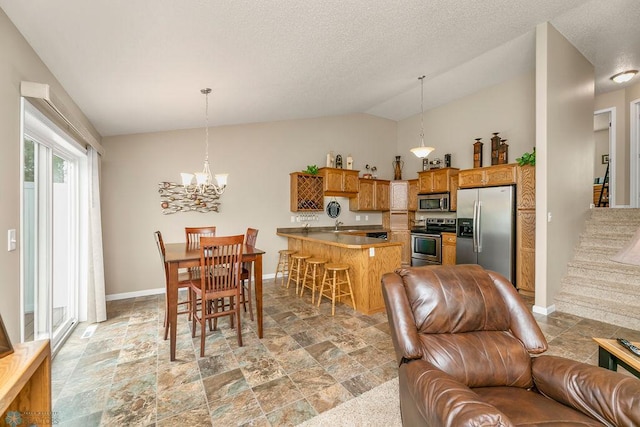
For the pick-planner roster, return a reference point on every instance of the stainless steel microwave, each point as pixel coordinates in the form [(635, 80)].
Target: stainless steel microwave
[(433, 202)]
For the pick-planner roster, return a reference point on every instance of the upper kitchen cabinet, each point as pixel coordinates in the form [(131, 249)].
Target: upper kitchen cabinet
[(306, 192), (373, 195), (488, 176), (412, 205), (436, 181), (340, 182), (399, 196)]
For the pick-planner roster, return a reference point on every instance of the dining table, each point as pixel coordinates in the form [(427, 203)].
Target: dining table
[(183, 255)]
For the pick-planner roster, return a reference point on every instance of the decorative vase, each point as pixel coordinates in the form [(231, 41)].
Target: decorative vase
[(397, 168)]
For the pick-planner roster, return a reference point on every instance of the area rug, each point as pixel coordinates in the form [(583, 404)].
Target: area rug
[(379, 406)]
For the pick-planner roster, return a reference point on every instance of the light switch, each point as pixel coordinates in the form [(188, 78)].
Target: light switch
[(11, 240)]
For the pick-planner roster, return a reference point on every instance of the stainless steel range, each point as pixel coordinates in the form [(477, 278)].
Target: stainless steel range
[(426, 241)]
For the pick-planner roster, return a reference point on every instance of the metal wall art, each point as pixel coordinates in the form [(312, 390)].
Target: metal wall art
[(174, 198)]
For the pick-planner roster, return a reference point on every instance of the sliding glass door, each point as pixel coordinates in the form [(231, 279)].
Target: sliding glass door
[(51, 229)]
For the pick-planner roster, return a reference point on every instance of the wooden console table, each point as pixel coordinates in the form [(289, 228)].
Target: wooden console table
[(25, 383), (611, 354)]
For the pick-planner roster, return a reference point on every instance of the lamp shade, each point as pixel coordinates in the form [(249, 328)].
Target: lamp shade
[(630, 254), (186, 178), (422, 151)]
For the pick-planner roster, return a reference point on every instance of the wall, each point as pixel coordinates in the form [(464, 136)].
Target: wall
[(507, 108), (258, 157), (564, 160), (19, 62)]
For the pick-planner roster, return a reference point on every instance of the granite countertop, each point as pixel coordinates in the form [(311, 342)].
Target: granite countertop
[(342, 229), (341, 239)]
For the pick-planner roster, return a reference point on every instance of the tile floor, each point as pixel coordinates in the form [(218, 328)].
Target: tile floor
[(307, 362)]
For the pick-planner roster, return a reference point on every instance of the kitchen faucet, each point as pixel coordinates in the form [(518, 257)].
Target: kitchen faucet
[(338, 224)]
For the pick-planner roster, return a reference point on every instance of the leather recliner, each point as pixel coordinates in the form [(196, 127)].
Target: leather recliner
[(464, 338)]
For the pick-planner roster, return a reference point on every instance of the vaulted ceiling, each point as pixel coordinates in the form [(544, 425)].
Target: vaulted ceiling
[(138, 66)]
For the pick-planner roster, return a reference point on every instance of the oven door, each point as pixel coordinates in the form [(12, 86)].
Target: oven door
[(426, 249)]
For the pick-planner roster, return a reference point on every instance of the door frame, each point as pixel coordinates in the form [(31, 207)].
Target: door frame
[(634, 153), (612, 153)]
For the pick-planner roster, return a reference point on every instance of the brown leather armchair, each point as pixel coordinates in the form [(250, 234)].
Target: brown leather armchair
[(464, 338)]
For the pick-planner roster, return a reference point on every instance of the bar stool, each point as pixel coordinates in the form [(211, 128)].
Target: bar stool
[(334, 282), (312, 270), (297, 266), (283, 263)]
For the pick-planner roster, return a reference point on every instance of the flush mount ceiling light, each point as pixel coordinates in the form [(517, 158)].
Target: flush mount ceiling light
[(624, 76), (204, 180), (422, 151)]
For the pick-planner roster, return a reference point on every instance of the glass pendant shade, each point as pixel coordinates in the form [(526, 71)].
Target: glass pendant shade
[(422, 151)]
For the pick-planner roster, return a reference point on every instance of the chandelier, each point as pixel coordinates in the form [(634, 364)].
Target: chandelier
[(204, 180), (422, 151)]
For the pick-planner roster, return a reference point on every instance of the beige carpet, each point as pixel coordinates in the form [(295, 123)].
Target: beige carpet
[(377, 407)]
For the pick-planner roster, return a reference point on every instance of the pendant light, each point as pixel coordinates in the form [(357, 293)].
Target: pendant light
[(204, 180), (422, 151)]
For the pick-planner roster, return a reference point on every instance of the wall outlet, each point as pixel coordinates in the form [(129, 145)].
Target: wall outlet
[(357, 217), (372, 252), (366, 217), (11, 240), (293, 218)]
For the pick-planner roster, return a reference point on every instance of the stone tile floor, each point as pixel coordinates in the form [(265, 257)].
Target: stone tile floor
[(308, 362)]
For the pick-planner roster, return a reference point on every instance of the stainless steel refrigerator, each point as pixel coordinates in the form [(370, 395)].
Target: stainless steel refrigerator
[(486, 229)]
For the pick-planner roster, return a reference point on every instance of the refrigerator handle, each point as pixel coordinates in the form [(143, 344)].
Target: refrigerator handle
[(475, 226), (478, 222)]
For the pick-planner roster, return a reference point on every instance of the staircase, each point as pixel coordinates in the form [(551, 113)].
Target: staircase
[(596, 287)]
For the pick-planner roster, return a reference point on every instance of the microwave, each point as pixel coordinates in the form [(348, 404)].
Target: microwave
[(433, 202)]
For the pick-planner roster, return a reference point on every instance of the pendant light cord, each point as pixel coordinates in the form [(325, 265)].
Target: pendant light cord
[(421, 110), (206, 93)]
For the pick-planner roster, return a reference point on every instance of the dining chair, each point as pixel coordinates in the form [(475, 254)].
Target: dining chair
[(193, 235), (250, 238), (183, 283), (220, 263)]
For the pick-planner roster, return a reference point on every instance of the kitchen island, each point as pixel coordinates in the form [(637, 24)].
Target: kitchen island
[(368, 259)]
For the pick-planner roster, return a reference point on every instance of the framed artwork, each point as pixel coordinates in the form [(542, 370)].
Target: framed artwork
[(605, 159), (5, 344)]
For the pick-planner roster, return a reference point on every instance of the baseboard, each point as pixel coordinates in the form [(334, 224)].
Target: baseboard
[(156, 291), (135, 294), (544, 310)]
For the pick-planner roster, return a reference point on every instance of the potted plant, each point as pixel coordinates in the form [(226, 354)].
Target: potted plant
[(527, 158)]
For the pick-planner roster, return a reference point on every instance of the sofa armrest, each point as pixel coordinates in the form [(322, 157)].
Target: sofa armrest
[(402, 324), (610, 397), (442, 401)]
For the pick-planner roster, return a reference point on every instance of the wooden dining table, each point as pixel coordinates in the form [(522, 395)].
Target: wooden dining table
[(181, 255)]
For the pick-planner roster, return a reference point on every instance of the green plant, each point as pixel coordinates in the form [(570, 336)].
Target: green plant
[(527, 158), (311, 169)]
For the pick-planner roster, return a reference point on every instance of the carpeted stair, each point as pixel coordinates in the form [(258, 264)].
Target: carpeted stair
[(596, 287)]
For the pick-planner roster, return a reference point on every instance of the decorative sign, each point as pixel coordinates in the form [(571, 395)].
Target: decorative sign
[(174, 198)]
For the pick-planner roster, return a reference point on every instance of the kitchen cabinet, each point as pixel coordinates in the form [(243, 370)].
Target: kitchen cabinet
[(448, 248), (436, 180), (306, 193), (526, 229), (488, 176), (25, 383), (339, 182), (413, 195), (404, 237), (453, 194), (399, 195), (373, 195)]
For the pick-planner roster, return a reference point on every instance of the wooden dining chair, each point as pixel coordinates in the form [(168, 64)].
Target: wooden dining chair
[(220, 263), (250, 238), (183, 283), (193, 235)]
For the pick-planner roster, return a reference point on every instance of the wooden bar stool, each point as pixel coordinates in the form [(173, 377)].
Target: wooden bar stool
[(312, 270), (334, 283), (283, 264), (297, 267)]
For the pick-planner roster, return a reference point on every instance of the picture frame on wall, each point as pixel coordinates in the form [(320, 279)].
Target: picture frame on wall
[(605, 159), (5, 344)]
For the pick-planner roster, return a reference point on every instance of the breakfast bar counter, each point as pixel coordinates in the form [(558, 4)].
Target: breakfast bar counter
[(368, 259)]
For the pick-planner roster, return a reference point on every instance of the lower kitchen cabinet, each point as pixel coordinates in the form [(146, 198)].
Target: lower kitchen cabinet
[(404, 237), (448, 248)]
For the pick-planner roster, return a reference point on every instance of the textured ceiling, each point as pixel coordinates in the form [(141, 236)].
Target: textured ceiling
[(138, 66)]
